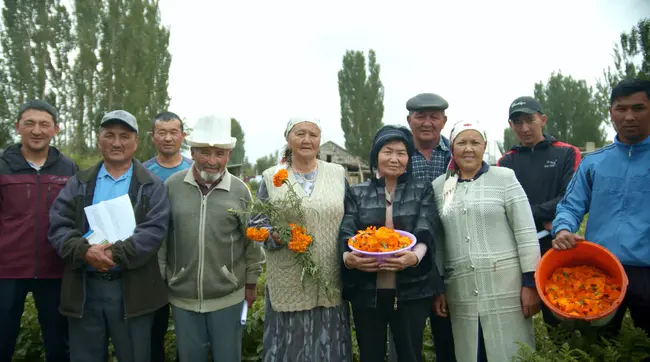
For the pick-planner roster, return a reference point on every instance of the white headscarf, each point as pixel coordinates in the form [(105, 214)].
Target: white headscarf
[(451, 180), (295, 121)]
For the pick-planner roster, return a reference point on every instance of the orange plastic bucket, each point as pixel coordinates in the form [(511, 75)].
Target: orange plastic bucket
[(585, 253)]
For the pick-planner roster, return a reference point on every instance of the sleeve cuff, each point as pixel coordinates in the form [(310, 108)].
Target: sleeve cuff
[(558, 228), (528, 280), (251, 286)]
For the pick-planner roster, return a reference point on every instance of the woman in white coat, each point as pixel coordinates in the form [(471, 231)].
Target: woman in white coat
[(489, 253)]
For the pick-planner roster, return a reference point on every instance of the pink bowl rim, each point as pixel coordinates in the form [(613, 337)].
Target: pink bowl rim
[(379, 253)]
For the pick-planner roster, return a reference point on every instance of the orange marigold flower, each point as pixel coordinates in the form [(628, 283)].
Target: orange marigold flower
[(299, 241), (257, 234), (379, 240), (582, 290), (280, 177)]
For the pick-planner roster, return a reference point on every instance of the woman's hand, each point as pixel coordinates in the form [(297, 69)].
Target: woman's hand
[(400, 261), (440, 306), (356, 260), (276, 237), (530, 302)]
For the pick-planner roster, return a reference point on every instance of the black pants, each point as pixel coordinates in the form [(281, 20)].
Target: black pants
[(637, 300), (443, 340), (158, 332), (406, 323), (54, 328)]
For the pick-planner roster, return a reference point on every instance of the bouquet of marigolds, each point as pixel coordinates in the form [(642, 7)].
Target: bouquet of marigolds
[(582, 290), (287, 218)]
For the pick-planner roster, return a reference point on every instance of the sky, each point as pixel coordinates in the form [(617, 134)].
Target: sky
[(264, 62)]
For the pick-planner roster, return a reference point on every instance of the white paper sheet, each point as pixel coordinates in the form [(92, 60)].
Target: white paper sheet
[(114, 219), (542, 234)]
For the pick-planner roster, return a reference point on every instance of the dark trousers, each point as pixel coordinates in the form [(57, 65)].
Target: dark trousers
[(158, 332), (103, 317), (46, 293), (637, 300), (443, 340), (406, 323)]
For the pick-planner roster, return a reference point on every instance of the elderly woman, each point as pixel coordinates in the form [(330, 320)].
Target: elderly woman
[(399, 291), (489, 242), (305, 325)]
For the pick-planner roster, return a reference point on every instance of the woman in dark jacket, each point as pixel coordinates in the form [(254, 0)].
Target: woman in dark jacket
[(399, 291)]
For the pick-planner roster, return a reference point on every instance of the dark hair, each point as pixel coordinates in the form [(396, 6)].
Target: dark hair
[(629, 86), (165, 117), (390, 133), (39, 105)]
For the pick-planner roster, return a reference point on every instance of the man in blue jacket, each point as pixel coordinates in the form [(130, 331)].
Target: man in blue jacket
[(612, 185), (543, 165)]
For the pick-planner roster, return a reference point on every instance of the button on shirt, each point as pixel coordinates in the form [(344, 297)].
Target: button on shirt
[(435, 166), (107, 188)]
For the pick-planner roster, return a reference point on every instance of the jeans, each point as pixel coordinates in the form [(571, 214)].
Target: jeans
[(54, 327)]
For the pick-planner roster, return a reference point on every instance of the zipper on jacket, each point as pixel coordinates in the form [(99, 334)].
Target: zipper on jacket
[(36, 223), (201, 260), (395, 304)]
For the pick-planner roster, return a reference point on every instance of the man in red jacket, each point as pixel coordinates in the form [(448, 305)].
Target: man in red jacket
[(31, 175), (543, 166)]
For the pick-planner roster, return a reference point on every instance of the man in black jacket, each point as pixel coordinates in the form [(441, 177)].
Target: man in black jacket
[(543, 165), (31, 175)]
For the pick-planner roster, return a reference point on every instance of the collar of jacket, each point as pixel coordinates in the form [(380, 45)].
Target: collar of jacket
[(639, 146), (140, 173), (400, 180), (16, 161), (546, 143), (223, 185)]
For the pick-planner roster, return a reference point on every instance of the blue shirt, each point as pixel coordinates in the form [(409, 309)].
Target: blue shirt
[(164, 172), (107, 188), (612, 184), (429, 170)]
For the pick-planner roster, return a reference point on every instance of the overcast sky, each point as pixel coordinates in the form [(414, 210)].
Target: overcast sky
[(264, 62)]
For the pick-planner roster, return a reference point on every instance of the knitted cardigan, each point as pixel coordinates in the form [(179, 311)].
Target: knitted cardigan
[(323, 212)]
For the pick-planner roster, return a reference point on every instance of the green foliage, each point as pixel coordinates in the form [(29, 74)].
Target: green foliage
[(239, 152), (362, 101), (509, 140), (631, 59), (266, 162), (572, 111), (100, 56), (561, 345)]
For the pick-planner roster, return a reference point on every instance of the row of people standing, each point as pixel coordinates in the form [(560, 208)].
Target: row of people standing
[(116, 290)]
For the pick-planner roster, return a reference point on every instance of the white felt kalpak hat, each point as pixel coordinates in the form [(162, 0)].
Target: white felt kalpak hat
[(211, 131)]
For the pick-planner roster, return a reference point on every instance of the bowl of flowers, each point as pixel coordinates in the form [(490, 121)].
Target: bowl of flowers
[(381, 243), (583, 286)]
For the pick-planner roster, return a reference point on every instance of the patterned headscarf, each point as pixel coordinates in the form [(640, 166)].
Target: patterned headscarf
[(451, 178)]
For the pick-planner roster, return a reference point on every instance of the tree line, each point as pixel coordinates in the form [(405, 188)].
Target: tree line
[(97, 55)]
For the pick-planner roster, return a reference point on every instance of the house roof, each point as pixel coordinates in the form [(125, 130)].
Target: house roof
[(357, 159)]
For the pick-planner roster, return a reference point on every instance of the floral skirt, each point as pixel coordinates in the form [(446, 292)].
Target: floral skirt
[(320, 334)]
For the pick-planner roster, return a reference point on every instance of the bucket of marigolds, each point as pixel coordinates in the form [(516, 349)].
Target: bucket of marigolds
[(583, 286), (381, 243)]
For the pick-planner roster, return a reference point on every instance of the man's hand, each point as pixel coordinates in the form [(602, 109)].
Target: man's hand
[(530, 302), (97, 258), (548, 226), (250, 296), (356, 260), (109, 253), (401, 261), (565, 240), (440, 306)]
